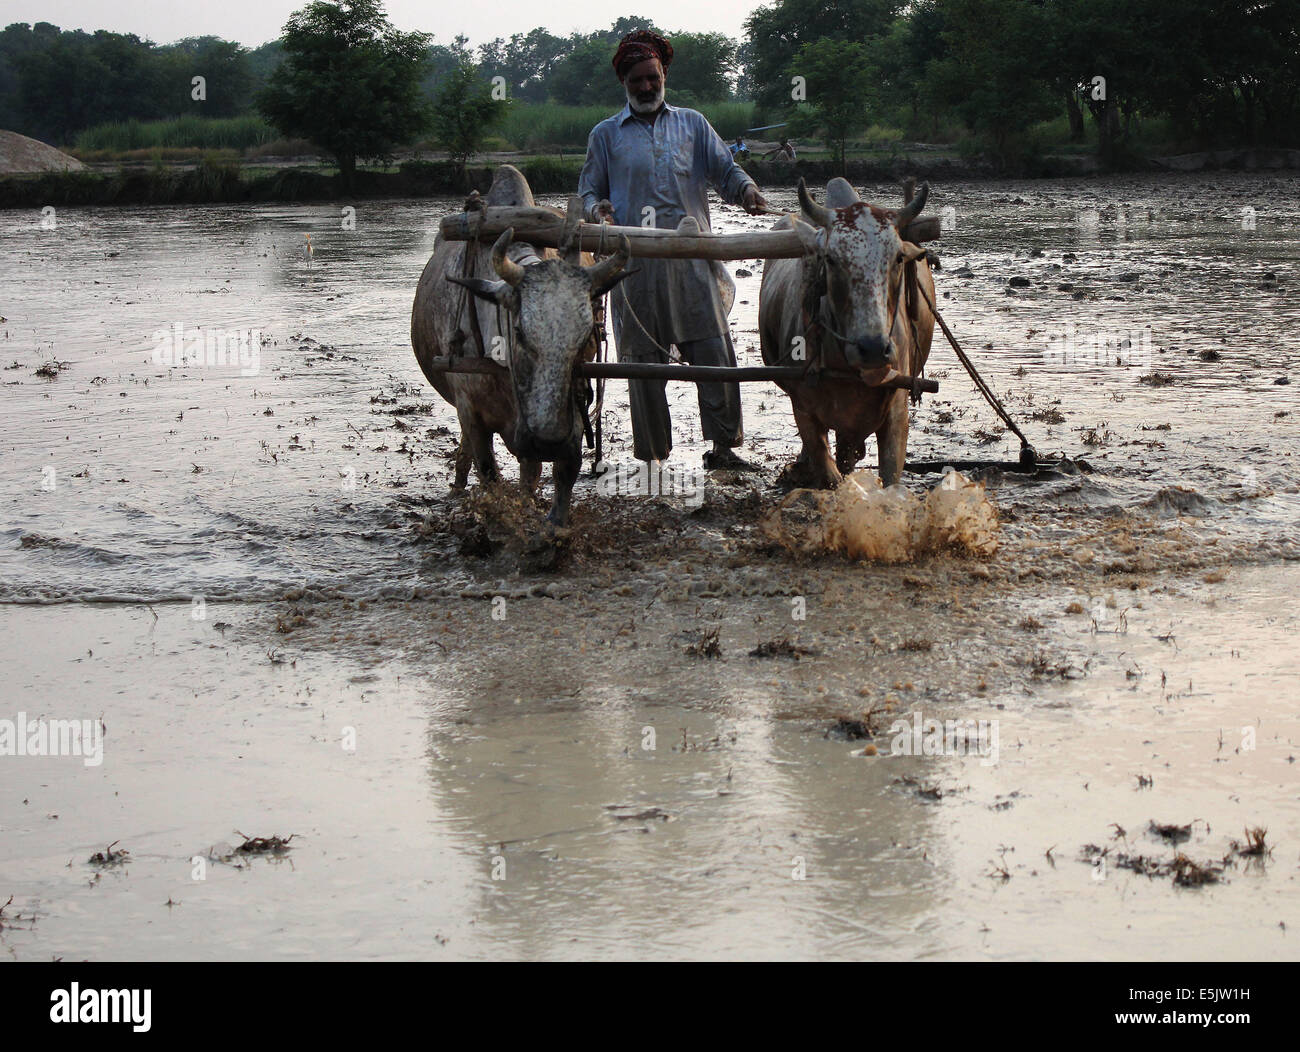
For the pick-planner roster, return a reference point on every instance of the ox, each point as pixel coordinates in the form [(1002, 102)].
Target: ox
[(842, 306), (536, 316)]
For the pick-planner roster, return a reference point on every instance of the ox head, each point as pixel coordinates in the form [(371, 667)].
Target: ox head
[(864, 254), (549, 305)]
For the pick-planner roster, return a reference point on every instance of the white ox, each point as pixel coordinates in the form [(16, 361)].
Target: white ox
[(540, 311), (843, 301)]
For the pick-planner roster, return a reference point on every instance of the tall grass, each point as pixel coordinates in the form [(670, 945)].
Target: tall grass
[(543, 125), (548, 124), (729, 119), (206, 133)]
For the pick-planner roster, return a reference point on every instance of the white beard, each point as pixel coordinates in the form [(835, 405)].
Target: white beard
[(644, 109)]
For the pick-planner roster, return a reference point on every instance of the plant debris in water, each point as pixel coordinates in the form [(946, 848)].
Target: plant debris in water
[(1185, 871), (263, 845), (1254, 846), (706, 646), (631, 813), (1173, 834), (783, 647), (50, 370), (109, 857)]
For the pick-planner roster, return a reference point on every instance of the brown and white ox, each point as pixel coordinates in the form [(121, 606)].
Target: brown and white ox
[(841, 301), (536, 316)]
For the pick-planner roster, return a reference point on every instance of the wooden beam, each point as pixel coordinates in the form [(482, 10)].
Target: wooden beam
[(541, 226), (544, 227)]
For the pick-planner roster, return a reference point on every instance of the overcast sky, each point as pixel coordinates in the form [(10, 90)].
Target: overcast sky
[(254, 22)]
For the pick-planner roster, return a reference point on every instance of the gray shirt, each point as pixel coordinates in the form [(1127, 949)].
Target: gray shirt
[(666, 166)]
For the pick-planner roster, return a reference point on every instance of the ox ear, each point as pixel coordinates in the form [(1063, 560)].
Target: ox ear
[(497, 292), (812, 239), (911, 252)]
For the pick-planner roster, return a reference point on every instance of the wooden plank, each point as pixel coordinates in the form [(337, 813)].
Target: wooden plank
[(542, 227), (695, 373)]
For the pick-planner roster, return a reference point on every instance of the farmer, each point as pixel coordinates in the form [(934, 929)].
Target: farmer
[(785, 151), (651, 165)]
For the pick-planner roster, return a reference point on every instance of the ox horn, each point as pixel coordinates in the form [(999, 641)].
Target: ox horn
[(912, 209), (507, 269), (819, 214), (608, 272)]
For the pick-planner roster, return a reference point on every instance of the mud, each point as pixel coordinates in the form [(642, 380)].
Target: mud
[(675, 733)]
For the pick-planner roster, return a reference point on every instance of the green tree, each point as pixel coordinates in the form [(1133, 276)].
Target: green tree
[(526, 60), (225, 67), (349, 82), (59, 87), (704, 64), (464, 112), (840, 84), (584, 77), (776, 34), (997, 74)]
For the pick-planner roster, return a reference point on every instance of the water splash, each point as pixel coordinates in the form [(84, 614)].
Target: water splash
[(865, 520)]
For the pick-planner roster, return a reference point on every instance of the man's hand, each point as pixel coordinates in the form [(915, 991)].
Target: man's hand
[(753, 202), (605, 212)]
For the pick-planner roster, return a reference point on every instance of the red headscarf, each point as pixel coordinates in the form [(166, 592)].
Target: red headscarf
[(638, 46)]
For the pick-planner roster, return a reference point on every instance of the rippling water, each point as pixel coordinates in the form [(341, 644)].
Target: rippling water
[(123, 478), (1124, 695)]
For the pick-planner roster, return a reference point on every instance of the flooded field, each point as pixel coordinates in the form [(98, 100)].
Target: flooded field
[(683, 738)]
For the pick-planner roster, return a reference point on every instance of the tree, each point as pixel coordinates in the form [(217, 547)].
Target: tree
[(997, 74), (526, 60), (349, 82), (704, 64), (584, 77), (776, 34), (840, 80), (464, 111), (225, 67)]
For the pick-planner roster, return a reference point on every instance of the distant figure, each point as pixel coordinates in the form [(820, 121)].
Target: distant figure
[(739, 150), (785, 151), (306, 249)]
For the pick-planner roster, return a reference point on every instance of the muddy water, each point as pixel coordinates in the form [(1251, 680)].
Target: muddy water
[(280, 566)]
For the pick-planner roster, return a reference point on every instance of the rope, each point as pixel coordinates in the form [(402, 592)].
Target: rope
[(667, 353), (470, 250), (1027, 454)]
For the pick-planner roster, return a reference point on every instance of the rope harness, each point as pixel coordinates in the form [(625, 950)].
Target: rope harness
[(815, 313)]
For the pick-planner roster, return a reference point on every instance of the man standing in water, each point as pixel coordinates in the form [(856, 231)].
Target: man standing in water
[(651, 165)]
